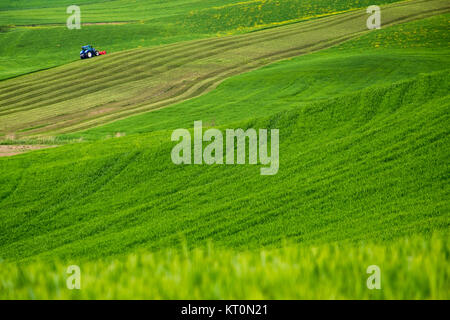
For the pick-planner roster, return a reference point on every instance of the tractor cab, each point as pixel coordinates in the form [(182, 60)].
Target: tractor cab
[(88, 52)]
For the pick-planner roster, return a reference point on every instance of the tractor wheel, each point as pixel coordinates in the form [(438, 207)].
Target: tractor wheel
[(96, 53), (89, 54)]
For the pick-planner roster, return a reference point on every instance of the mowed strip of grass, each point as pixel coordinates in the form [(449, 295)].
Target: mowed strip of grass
[(43, 41), (368, 166), (59, 100), (416, 268), (379, 58)]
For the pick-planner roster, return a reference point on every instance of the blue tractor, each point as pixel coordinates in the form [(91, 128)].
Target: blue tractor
[(88, 52)]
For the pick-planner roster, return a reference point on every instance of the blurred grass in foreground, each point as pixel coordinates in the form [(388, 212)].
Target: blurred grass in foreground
[(415, 268)]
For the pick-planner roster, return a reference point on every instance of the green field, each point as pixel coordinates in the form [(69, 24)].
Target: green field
[(364, 148)]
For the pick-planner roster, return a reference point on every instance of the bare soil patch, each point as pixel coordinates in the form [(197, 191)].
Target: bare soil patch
[(11, 150)]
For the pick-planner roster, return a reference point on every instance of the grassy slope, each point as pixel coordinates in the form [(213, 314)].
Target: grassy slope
[(26, 49), (64, 100), (370, 165), (380, 58)]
